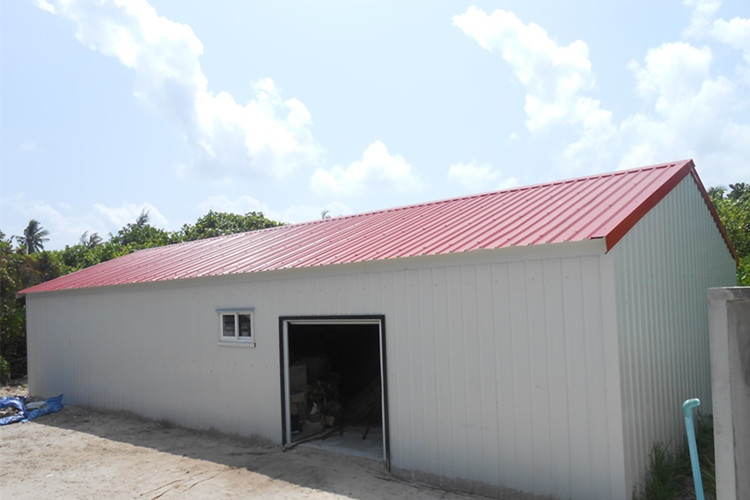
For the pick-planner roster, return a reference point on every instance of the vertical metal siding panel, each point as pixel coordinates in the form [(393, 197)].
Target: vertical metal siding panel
[(404, 417), (444, 436), (38, 346), (430, 369), (66, 342), (664, 344), (522, 377), (636, 432), (613, 382), (86, 321), (663, 267), (540, 410), (414, 338), (374, 296), (599, 446), (399, 363), (504, 362), (558, 377), (487, 364), (577, 390), (666, 359), (470, 333), (457, 386), (58, 341)]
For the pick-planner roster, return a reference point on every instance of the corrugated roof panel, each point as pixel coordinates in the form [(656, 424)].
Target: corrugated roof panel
[(601, 206)]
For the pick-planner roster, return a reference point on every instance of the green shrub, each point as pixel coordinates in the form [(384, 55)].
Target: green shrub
[(670, 476), (4, 371), (663, 476)]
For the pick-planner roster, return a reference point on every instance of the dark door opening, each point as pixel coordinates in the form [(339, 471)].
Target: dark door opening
[(333, 380)]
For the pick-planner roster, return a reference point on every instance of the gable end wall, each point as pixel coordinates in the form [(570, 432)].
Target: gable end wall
[(663, 269)]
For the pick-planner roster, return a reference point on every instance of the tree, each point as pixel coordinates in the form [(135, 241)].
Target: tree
[(19, 269), (12, 310), (733, 207), (33, 237), (139, 235), (29, 264), (222, 223)]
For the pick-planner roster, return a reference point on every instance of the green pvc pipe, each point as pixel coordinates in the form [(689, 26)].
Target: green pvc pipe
[(687, 410)]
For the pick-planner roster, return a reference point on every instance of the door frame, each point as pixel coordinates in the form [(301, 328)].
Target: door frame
[(285, 321)]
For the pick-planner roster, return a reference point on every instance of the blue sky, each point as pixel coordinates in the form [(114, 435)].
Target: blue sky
[(289, 108)]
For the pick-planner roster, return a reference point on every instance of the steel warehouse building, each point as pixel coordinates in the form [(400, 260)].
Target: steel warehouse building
[(535, 340)]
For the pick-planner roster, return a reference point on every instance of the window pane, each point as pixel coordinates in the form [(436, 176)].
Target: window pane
[(228, 325), (245, 325)]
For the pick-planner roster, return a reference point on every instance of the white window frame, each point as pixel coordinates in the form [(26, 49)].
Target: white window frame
[(237, 339)]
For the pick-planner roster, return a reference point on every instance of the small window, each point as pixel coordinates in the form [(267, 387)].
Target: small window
[(228, 329), (244, 326), (236, 326)]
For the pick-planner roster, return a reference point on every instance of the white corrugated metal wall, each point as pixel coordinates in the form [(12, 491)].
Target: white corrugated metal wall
[(502, 366), (664, 349), (513, 382)]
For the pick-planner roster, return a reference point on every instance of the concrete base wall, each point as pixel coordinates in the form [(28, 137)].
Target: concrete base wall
[(729, 317)]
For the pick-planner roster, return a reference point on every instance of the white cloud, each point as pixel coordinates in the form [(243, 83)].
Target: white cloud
[(688, 110), (694, 113), (65, 228), (557, 78), (45, 5), (735, 33), (265, 135), (701, 19), (378, 169), (476, 178), (703, 25), (127, 213), (671, 73), (241, 205)]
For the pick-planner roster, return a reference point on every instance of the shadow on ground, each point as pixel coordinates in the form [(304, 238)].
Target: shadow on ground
[(316, 469)]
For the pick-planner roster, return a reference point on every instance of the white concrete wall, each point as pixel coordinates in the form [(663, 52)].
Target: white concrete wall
[(729, 315), (502, 366), (664, 267)]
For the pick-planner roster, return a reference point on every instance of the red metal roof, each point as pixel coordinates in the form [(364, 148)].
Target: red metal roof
[(602, 206)]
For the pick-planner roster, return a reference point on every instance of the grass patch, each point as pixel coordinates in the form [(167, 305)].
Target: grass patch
[(669, 475)]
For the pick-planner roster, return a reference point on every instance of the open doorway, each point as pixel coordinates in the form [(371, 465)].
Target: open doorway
[(333, 384)]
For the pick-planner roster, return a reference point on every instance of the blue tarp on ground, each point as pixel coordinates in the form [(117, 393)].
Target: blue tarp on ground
[(16, 402), (23, 414)]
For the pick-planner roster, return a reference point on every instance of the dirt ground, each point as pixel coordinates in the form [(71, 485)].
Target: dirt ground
[(81, 453)]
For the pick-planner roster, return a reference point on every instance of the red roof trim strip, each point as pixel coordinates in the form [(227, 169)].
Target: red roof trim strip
[(635, 215)]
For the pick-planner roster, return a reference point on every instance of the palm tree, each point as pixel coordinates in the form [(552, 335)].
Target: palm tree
[(90, 241), (142, 219), (33, 237)]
